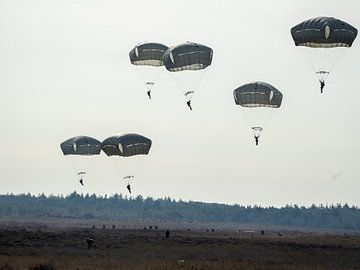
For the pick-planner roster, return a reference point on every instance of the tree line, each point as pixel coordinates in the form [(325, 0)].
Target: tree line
[(119, 207)]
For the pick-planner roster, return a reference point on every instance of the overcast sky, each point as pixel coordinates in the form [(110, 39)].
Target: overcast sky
[(65, 71)]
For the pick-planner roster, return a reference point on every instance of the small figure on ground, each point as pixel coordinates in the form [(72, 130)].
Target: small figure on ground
[(167, 234), (90, 241), (103, 226), (128, 188), (189, 104), (113, 226), (322, 85)]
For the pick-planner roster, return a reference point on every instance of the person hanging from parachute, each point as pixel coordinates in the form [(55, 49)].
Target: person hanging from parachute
[(257, 131), (189, 104), (322, 41), (127, 179), (187, 63), (129, 188), (148, 58), (80, 151), (256, 100), (128, 152), (322, 85), (81, 181)]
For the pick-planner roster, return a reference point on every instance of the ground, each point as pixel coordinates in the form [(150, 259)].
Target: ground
[(61, 244)]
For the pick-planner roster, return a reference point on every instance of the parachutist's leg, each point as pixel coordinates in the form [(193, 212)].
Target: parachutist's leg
[(149, 94)]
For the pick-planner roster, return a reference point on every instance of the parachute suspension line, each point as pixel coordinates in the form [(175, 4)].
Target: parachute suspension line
[(128, 178), (81, 175), (128, 167), (322, 60), (149, 85), (149, 75), (322, 74), (187, 82), (80, 165)]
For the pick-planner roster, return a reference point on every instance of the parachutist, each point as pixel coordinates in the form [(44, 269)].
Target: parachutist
[(149, 94), (189, 104), (256, 140), (90, 241), (129, 188), (322, 85), (81, 182)]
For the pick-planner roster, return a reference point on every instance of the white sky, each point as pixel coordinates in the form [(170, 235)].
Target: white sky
[(64, 71)]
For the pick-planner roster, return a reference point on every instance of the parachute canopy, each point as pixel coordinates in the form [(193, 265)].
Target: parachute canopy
[(187, 56), (126, 145), (81, 145), (148, 54), (258, 94), (324, 32)]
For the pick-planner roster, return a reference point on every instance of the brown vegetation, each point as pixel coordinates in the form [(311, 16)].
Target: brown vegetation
[(55, 248)]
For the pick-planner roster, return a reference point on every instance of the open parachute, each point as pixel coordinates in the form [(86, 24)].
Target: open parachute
[(187, 63), (80, 151), (127, 152), (148, 58), (322, 41), (257, 99)]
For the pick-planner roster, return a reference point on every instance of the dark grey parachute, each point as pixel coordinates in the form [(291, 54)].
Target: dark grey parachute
[(187, 56), (126, 145), (323, 32), (148, 54), (258, 94), (81, 145)]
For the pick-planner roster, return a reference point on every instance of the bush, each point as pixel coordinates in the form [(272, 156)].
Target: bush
[(41, 266), (6, 266)]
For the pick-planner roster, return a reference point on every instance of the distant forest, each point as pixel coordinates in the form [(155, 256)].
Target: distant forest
[(120, 207)]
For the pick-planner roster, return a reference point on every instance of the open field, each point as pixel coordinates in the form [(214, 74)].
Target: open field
[(61, 244)]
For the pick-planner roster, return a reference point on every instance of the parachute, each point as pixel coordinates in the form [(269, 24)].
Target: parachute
[(187, 63), (323, 41), (258, 99), (80, 151), (127, 152), (147, 57)]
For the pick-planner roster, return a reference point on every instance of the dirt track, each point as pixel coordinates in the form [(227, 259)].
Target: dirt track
[(66, 248)]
